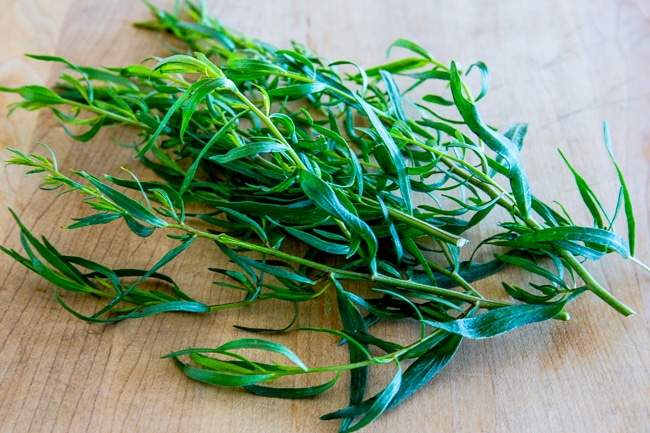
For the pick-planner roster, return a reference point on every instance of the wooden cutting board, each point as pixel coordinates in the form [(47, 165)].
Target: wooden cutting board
[(563, 67)]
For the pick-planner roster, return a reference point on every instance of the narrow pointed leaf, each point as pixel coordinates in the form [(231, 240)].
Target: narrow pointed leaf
[(270, 346), (587, 235), (495, 141), (501, 320), (426, 367), (627, 200), (399, 164), (305, 392)]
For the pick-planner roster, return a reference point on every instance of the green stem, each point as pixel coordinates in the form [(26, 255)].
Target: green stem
[(343, 274), (109, 114), (494, 190), (640, 263), (594, 285), (427, 228), (376, 360), (423, 226), (273, 128)]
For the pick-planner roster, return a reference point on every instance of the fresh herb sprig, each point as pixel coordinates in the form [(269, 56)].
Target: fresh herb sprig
[(377, 184)]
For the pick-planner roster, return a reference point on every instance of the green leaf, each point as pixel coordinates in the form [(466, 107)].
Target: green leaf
[(240, 69), (353, 321), (39, 96), (209, 32), (294, 213), (250, 149), (325, 198), (97, 219), (172, 307), (439, 100), (394, 94), (316, 242), (411, 46), (516, 133), (532, 267), (627, 200), (588, 196), (184, 64), (108, 77), (298, 90), (495, 141), (168, 257), (379, 403), (306, 392), (501, 320), (398, 66), (362, 74), (275, 270), (259, 344), (249, 222), (138, 229), (296, 60), (199, 89), (47, 252), (587, 235), (485, 78), (355, 165), (222, 379), (397, 158), (216, 364), (527, 297), (426, 366), (90, 134), (198, 92), (129, 205)]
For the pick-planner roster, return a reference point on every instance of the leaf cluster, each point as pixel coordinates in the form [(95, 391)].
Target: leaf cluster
[(360, 167)]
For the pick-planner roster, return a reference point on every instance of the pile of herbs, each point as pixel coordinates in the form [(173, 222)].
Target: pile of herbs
[(366, 170)]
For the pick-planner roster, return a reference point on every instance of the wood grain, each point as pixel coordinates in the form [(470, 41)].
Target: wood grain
[(563, 67)]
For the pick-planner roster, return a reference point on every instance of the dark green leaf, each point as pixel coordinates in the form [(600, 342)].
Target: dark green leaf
[(172, 307), (137, 228), (353, 321), (379, 403), (310, 391), (275, 270), (198, 92), (97, 219), (210, 32), (426, 367), (316, 242), (532, 267)]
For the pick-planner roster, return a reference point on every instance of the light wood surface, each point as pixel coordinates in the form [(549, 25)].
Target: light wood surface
[(562, 66)]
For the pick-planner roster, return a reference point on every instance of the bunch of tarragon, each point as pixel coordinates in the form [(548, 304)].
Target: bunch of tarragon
[(377, 180)]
